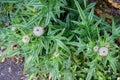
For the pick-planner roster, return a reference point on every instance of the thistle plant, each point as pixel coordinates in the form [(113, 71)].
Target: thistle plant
[(60, 40)]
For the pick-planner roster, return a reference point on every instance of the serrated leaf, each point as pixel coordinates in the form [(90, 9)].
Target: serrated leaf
[(62, 45), (91, 15), (81, 12), (90, 73)]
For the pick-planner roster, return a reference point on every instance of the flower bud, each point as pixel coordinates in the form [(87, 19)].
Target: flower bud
[(95, 48), (26, 39)]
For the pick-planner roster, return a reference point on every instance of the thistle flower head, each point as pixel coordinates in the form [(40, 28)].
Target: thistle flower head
[(38, 31), (95, 48), (103, 51), (2, 49), (56, 54), (118, 78), (26, 39), (14, 46), (13, 29), (7, 23)]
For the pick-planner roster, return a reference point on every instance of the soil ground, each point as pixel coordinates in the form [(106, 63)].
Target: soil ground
[(10, 70)]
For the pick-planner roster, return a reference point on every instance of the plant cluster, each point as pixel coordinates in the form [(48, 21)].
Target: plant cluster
[(60, 39)]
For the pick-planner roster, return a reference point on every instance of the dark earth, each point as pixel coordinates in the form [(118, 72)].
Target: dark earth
[(107, 7), (10, 70)]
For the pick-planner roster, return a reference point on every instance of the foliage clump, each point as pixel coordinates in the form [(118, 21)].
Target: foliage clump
[(60, 39)]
